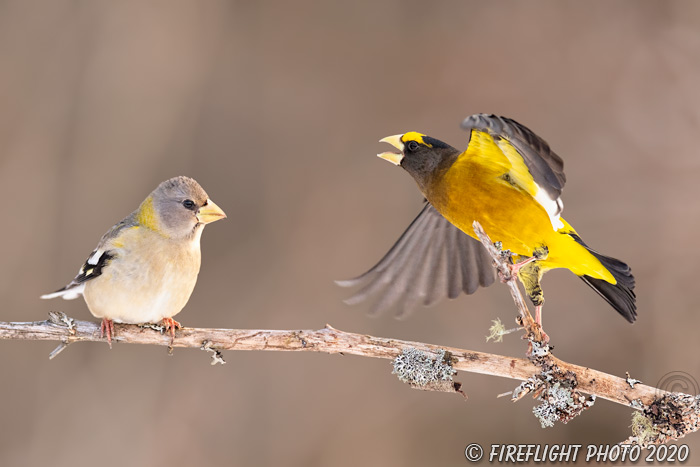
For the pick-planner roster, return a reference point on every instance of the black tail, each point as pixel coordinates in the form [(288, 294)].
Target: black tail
[(621, 295)]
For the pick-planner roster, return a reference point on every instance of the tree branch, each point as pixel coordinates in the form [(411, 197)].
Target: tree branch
[(673, 414), (327, 340), (558, 385), (667, 416)]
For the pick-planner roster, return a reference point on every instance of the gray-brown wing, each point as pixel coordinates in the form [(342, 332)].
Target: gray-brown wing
[(546, 167), (432, 260)]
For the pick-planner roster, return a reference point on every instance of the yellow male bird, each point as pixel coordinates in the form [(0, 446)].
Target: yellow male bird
[(509, 181), (144, 268)]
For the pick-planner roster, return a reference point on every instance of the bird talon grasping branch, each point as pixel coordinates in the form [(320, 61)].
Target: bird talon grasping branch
[(107, 327), (533, 330), (171, 325)]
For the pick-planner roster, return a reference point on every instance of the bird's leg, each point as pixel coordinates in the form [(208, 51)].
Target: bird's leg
[(530, 276), (538, 320), (172, 325), (107, 327)]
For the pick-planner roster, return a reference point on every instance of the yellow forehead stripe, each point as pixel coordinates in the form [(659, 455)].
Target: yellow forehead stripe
[(415, 136)]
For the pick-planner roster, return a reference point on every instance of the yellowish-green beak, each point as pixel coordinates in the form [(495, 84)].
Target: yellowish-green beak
[(210, 212), (390, 156)]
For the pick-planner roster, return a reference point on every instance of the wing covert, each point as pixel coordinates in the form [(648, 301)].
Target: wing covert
[(543, 164)]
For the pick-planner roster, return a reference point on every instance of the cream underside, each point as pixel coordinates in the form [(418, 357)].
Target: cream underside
[(148, 282), (131, 302)]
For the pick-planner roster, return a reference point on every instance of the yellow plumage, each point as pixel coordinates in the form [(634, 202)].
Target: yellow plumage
[(510, 181), (491, 184)]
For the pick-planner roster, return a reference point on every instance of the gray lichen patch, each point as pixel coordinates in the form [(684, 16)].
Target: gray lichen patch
[(539, 349), (429, 372), (216, 356), (631, 381), (156, 327), (671, 417), (59, 318), (561, 401)]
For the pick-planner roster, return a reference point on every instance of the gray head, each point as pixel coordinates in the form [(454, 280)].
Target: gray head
[(177, 208)]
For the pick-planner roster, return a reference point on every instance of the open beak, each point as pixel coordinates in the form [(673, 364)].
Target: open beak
[(390, 156), (210, 212)]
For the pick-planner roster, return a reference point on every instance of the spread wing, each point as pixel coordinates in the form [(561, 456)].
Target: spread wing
[(433, 259), (529, 161)]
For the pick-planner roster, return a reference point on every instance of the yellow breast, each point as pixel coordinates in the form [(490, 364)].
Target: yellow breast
[(470, 191)]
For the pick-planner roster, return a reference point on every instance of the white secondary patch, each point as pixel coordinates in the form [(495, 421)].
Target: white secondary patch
[(95, 257), (552, 206)]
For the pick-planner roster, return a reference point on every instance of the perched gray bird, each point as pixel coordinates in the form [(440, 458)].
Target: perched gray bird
[(144, 269)]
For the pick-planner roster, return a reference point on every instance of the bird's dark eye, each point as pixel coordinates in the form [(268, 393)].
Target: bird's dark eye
[(189, 204), (412, 145)]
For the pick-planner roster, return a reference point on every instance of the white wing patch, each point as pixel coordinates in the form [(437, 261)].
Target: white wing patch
[(94, 258), (520, 174), (92, 268), (552, 206)]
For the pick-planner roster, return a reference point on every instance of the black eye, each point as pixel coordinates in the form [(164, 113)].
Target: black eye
[(412, 145), (189, 204)]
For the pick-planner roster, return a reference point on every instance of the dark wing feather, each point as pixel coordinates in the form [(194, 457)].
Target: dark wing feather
[(433, 259), (545, 166), (91, 269), (98, 259)]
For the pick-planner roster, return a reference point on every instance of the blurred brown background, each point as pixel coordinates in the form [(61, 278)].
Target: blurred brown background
[(276, 109)]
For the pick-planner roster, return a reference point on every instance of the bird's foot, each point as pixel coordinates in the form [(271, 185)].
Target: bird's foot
[(172, 325), (540, 253), (107, 327), (512, 272), (515, 268)]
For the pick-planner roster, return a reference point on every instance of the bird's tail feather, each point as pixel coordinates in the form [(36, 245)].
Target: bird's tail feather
[(69, 292), (620, 295)]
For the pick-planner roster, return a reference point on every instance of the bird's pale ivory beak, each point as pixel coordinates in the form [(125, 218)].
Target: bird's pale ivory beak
[(210, 212), (390, 156)]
